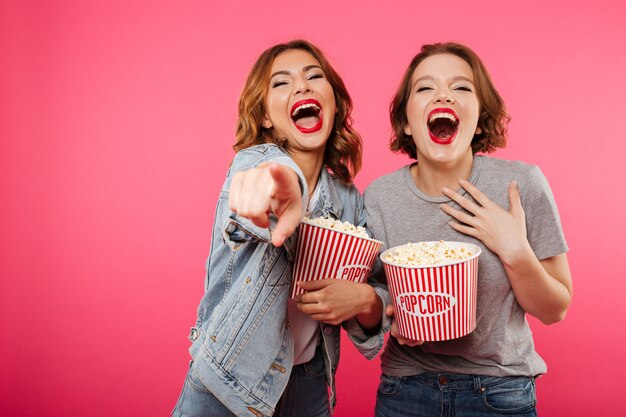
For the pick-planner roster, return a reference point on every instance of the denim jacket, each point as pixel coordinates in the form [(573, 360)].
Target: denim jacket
[(242, 346)]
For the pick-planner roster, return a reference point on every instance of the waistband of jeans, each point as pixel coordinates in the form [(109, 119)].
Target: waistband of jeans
[(454, 381), (450, 380)]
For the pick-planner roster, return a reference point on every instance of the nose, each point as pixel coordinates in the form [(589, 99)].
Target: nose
[(444, 96), (301, 86)]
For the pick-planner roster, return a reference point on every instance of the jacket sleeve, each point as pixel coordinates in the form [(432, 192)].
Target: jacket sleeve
[(370, 343)]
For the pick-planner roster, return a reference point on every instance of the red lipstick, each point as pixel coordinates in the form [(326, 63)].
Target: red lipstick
[(446, 130), (306, 106)]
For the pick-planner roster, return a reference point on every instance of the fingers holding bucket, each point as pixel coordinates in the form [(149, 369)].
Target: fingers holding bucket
[(394, 330)]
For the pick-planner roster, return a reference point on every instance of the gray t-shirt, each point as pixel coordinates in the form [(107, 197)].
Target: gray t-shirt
[(502, 345)]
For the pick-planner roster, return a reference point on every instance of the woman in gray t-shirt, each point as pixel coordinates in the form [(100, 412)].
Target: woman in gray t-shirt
[(444, 112)]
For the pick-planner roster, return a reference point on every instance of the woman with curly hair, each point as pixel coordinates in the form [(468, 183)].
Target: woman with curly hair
[(255, 352)]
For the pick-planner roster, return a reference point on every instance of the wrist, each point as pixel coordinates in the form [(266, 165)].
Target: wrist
[(517, 254), (368, 299), (371, 308)]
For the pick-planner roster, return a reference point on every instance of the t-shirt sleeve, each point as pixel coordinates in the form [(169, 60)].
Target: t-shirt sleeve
[(376, 229), (543, 223), (373, 215)]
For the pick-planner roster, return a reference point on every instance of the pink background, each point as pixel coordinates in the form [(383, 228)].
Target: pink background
[(116, 125)]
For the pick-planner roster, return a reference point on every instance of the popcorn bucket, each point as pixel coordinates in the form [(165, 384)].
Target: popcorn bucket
[(324, 253), (434, 302)]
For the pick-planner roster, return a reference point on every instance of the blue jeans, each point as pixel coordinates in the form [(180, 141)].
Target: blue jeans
[(306, 394), (455, 395)]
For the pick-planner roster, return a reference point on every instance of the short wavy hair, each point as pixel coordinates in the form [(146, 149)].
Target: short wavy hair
[(344, 148), (493, 118)]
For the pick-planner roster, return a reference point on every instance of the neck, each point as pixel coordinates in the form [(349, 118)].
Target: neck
[(430, 177), (310, 163)]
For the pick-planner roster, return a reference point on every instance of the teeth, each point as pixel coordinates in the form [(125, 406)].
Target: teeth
[(442, 115), (305, 106)]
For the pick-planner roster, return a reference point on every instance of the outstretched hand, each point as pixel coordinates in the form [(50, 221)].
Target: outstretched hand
[(394, 330), (502, 231), (268, 188)]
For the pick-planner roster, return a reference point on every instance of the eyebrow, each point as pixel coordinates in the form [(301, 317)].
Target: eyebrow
[(305, 69)]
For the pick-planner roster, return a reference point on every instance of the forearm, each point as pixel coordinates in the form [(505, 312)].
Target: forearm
[(542, 288)]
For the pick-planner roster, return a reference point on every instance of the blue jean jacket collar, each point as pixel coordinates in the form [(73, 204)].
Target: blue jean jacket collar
[(330, 202)]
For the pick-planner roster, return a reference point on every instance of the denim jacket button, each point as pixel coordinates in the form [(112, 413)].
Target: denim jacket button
[(328, 330), (193, 335), (255, 412), (279, 368)]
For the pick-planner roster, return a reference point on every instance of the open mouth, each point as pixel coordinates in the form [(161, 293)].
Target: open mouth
[(443, 125), (307, 115)]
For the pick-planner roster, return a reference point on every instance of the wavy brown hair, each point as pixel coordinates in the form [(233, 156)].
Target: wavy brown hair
[(344, 148), (493, 118)]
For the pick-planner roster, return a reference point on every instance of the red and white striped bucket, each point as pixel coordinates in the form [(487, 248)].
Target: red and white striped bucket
[(328, 253), (434, 303)]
